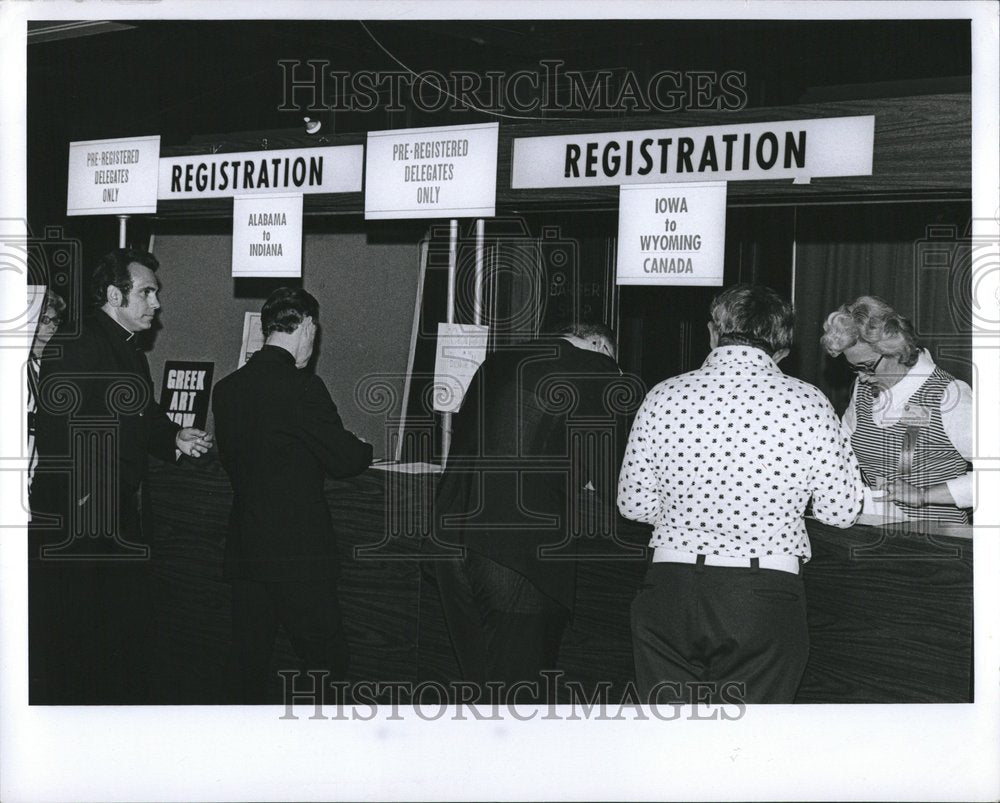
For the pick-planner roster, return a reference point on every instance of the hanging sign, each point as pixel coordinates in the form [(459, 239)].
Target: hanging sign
[(448, 171), (795, 149), (253, 337), (186, 389), (298, 170), (267, 236), (461, 349), (113, 176), (672, 234)]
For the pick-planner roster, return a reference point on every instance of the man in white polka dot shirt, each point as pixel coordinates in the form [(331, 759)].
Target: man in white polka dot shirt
[(723, 462)]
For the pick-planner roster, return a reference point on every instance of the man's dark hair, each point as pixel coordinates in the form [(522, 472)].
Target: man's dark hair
[(113, 269), (586, 331), (285, 308), (753, 315)]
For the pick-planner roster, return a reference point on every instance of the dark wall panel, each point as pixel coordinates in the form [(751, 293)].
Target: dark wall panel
[(366, 290)]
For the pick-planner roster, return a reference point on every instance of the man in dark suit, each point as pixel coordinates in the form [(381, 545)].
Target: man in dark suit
[(96, 422), (279, 436), (515, 470)]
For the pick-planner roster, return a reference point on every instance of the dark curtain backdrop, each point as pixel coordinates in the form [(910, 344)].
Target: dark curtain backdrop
[(911, 255)]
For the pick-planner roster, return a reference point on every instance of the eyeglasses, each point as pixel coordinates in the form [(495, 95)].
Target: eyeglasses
[(865, 367), (49, 320)]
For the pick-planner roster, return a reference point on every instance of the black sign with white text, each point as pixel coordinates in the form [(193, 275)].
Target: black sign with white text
[(186, 389)]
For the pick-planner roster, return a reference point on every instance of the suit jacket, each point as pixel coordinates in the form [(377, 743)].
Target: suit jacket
[(279, 435), (536, 425), (98, 381)]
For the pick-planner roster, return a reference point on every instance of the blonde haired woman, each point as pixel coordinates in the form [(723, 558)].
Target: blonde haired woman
[(910, 421)]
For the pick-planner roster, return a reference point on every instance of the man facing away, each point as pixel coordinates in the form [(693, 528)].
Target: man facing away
[(279, 436), (517, 465), (723, 461), (95, 424)]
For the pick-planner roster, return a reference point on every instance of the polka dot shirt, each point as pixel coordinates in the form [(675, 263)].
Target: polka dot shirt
[(723, 460)]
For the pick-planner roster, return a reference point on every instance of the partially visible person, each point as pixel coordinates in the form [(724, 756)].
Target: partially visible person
[(279, 436), (49, 319), (723, 461), (910, 422), (512, 481), (97, 422)]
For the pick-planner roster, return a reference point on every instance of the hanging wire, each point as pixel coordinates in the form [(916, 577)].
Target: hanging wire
[(457, 99)]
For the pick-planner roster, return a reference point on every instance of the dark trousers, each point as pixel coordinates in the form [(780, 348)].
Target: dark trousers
[(89, 620), (695, 624), (310, 614), (502, 627)]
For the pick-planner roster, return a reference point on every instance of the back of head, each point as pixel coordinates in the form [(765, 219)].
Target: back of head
[(753, 315), (113, 270), (286, 308)]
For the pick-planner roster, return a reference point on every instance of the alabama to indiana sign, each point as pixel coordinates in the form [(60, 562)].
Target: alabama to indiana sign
[(267, 236)]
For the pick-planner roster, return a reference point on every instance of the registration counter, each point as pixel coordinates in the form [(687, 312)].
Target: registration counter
[(890, 609)]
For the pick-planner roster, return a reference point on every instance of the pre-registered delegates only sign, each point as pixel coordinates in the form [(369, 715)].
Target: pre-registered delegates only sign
[(267, 236), (672, 234), (448, 171), (113, 176)]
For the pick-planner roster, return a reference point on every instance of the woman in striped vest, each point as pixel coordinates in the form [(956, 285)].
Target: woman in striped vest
[(910, 422)]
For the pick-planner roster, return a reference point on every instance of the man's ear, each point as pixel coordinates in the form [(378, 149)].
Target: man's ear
[(713, 335), (114, 295)]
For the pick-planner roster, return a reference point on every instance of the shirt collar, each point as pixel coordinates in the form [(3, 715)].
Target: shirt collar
[(915, 377), (745, 356), (272, 352)]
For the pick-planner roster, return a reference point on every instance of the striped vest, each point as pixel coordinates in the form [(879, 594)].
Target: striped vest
[(934, 458)]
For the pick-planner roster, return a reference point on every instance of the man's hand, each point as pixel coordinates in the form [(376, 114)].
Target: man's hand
[(899, 491), (193, 442)]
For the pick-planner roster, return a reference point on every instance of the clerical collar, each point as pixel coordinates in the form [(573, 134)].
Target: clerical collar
[(126, 333)]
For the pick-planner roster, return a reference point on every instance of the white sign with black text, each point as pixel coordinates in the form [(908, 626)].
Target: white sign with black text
[(672, 234), (789, 149), (253, 337), (291, 170), (461, 349), (448, 171), (113, 176), (267, 236)]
